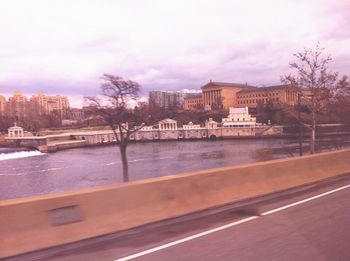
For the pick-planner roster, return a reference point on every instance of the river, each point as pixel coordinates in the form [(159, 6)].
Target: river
[(28, 173)]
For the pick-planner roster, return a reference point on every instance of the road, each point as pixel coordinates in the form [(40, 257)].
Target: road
[(308, 223)]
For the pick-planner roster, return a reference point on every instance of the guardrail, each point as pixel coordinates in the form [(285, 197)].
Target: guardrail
[(43, 221)]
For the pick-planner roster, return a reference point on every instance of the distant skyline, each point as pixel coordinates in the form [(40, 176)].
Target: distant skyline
[(64, 47)]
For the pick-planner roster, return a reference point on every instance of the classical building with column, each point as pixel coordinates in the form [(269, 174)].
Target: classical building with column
[(167, 124), (221, 95)]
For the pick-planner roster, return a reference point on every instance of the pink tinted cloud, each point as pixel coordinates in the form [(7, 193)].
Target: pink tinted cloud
[(64, 46)]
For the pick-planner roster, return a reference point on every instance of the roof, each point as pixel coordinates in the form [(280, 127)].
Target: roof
[(243, 110), (227, 84), (194, 96), (268, 88), (15, 128), (167, 121)]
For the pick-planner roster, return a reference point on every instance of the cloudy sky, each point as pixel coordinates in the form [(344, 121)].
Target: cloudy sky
[(64, 46)]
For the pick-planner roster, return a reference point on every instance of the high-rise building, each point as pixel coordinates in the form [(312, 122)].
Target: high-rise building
[(17, 105), (39, 103), (166, 99), (48, 104), (2, 105)]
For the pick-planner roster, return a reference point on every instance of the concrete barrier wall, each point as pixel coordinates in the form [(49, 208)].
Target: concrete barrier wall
[(43, 221)]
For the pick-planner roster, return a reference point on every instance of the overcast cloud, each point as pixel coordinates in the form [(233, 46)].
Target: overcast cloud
[(63, 47)]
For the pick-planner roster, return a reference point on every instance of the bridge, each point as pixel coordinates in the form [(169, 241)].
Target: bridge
[(288, 209)]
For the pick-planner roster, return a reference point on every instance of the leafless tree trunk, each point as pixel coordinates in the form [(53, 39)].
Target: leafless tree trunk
[(122, 148)]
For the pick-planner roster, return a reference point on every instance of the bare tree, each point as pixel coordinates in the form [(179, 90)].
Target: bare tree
[(340, 104), (115, 109), (342, 89), (312, 73)]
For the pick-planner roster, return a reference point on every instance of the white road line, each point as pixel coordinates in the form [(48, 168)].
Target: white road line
[(155, 249), (185, 239), (303, 201)]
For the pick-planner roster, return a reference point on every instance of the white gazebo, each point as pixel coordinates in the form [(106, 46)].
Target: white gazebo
[(15, 132), (167, 124)]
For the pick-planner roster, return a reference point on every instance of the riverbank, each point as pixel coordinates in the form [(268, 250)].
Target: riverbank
[(90, 138)]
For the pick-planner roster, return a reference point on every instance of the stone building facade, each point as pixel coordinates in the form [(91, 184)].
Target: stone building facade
[(220, 95), (194, 102), (276, 94)]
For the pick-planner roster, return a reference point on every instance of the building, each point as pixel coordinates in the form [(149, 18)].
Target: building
[(17, 106), (166, 99), (15, 132), (221, 95), (2, 105), (57, 103), (48, 104), (252, 97), (211, 124), (193, 102), (76, 114), (239, 117), (167, 124), (191, 126), (39, 103)]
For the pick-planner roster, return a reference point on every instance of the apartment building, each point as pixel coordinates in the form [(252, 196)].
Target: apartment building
[(2, 105), (48, 104), (168, 99), (17, 105)]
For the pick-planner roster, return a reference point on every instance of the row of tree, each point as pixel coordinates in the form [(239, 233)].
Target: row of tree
[(33, 121)]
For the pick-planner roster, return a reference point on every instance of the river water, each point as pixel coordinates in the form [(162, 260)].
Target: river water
[(29, 173)]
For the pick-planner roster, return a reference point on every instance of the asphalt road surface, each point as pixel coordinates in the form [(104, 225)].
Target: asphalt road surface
[(308, 223)]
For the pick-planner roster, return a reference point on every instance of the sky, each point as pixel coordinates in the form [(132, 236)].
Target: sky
[(65, 46)]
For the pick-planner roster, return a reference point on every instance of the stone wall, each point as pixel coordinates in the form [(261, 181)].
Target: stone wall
[(43, 221)]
